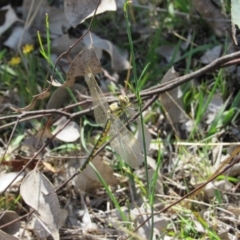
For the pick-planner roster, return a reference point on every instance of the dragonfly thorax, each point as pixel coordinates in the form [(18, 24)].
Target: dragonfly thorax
[(119, 107)]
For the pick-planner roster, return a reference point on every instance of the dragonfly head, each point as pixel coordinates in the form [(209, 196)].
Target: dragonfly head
[(124, 101), (118, 108)]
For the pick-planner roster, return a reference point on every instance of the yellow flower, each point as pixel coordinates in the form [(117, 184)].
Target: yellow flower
[(27, 48), (14, 61)]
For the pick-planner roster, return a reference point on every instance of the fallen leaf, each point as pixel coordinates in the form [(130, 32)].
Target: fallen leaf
[(18, 33), (38, 228), (84, 63), (214, 107), (211, 55), (36, 11), (8, 216), (234, 171), (169, 52), (9, 16), (86, 223), (70, 133), (5, 236), (61, 44), (39, 96), (6, 179), (222, 185), (172, 100), (212, 15), (186, 43), (58, 23), (118, 61), (61, 97), (235, 6), (77, 11), (18, 163), (38, 193), (140, 215), (88, 181), (30, 144)]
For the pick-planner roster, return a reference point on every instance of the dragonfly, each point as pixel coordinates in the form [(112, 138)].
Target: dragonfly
[(123, 143)]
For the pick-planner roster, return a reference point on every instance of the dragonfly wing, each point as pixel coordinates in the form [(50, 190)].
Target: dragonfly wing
[(99, 101), (125, 144)]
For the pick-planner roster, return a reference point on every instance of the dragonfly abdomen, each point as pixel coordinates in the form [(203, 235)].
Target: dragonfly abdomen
[(97, 145)]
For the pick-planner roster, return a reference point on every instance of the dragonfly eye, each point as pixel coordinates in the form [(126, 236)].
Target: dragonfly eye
[(124, 101)]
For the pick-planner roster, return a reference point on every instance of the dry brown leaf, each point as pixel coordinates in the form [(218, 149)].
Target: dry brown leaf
[(5, 236), (39, 96), (118, 61), (88, 181), (38, 193), (38, 228), (19, 33), (30, 144), (77, 11), (6, 179), (34, 16), (61, 97), (61, 44), (169, 53), (172, 100), (37, 13), (44, 133), (84, 63), (222, 185), (58, 23), (160, 223), (211, 55), (8, 216), (56, 17), (235, 19), (216, 20), (70, 133), (9, 16), (214, 107)]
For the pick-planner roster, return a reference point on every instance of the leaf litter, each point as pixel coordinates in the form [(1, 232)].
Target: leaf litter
[(9, 17), (8, 216), (39, 194), (77, 13)]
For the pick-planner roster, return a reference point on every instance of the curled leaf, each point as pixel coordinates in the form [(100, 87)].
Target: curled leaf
[(29, 107), (85, 61)]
